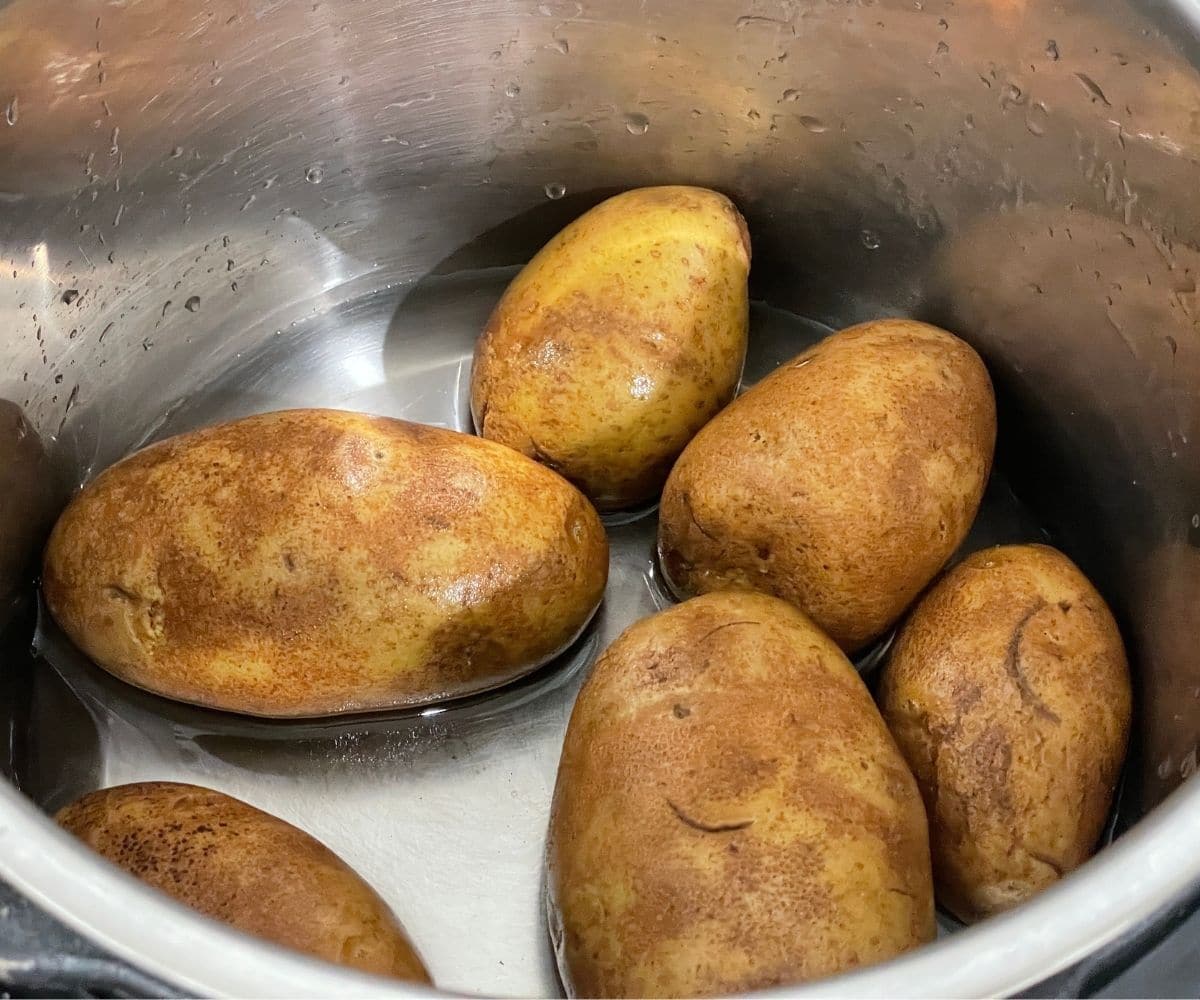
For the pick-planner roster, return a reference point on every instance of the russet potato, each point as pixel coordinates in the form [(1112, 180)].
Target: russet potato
[(310, 562), (730, 812), (246, 868), (1008, 692), (618, 341), (842, 482)]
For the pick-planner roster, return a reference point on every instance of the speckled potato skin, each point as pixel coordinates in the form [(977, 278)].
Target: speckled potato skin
[(842, 482), (1008, 692), (731, 812), (246, 868), (619, 341), (312, 562)]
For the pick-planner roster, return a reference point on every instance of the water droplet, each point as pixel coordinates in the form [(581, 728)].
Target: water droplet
[(408, 102), (636, 124), (791, 94), (814, 125), (870, 240), (70, 295), (192, 304), (12, 111), (1010, 94), (641, 387), (1093, 89), (1037, 119), (512, 90), (314, 174), (757, 20), (555, 190), (1052, 50)]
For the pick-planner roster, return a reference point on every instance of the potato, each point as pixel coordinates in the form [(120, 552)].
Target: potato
[(310, 562), (731, 812), (244, 867), (619, 341), (842, 482), (1008, 692)]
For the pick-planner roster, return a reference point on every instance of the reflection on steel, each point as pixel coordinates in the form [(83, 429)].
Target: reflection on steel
[(212, 209)]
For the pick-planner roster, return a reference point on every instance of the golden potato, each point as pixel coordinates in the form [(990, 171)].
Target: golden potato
[(842, 482), (730, 812), (1008, 692), (244, 867), (619, 340), (310, 562)]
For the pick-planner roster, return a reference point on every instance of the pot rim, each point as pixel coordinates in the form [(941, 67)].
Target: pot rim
[(1150, 866)]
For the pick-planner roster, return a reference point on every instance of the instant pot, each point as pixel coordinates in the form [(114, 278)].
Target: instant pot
[(212, 209)]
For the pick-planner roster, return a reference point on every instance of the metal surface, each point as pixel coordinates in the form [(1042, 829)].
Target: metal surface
[(211, 210), (448, 805), (39, 957)]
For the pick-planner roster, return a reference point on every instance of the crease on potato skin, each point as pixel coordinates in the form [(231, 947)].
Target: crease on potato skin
[(1012, 663), (309, 562), (703, 827), (618, 341), (730, 812), (1001, 834), (246, 868), (842, 482)]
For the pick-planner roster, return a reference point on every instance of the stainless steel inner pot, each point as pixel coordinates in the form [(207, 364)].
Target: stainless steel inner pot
[(212, 209)]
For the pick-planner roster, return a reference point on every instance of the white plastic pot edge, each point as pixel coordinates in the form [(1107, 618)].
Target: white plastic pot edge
[(1145, 870)]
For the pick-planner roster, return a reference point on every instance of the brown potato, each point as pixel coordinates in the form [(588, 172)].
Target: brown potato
[(1008, 692), (619, 341), (731, 812), (842, 482), (309, 562), (244, 867)]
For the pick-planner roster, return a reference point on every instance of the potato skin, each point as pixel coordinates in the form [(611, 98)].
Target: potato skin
[(842, 482), (246, 868), (311, 562), (619, 341), (731, 812), (1008, 692)]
